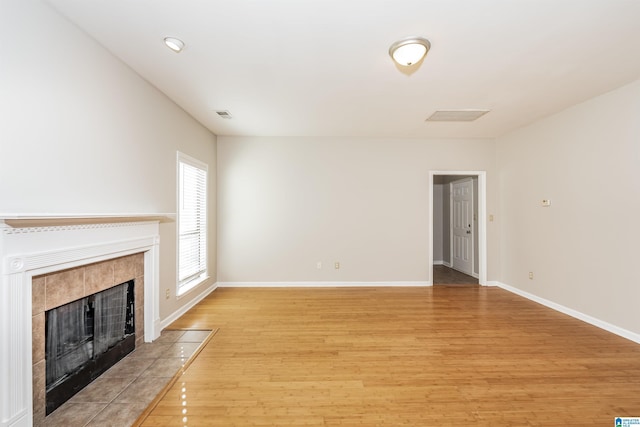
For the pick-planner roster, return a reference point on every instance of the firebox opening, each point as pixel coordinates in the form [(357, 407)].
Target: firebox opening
[(85, 338)]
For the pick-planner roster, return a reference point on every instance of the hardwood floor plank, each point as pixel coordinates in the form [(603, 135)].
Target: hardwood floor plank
[(397, 356)]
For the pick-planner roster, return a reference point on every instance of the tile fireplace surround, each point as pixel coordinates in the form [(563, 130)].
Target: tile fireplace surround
[(32, 248)]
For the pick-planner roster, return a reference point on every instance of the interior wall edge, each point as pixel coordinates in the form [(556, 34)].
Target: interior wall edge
[(609, 327)]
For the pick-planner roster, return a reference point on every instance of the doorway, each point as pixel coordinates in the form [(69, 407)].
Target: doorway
[(457, 227), (462, 225)]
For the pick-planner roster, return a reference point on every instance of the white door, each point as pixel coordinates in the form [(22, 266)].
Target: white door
[(462, 225)]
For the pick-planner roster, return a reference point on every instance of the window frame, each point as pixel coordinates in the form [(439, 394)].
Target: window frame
[(185, 285)]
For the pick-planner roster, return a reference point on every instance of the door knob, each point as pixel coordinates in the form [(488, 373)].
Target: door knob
[(468, 231)]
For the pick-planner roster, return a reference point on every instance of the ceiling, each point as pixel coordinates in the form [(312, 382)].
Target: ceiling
[(321, 67)]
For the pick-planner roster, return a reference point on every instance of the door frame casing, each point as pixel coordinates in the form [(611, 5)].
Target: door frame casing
[(482, 222)]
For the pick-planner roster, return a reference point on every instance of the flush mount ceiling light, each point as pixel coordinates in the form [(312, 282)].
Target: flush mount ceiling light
[(174, 44), (410, 50)]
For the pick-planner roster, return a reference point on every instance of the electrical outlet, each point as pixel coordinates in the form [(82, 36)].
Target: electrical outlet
[(319, 265), (167, 293), (531, 275), (337, 265)]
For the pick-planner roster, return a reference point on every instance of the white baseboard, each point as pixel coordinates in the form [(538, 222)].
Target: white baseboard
[(317, 284), (182, 310), (573, 313)]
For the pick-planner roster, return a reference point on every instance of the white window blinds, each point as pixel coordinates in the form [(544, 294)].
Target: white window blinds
[(192, 222)]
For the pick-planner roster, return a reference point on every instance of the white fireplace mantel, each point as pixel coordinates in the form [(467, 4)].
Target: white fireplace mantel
[(32, 245)]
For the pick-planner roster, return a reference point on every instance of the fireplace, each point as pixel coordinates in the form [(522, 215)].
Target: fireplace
[(84, 338), (43, 266)]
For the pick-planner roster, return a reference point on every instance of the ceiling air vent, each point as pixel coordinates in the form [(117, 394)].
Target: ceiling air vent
[(456, 115), (224, 114)]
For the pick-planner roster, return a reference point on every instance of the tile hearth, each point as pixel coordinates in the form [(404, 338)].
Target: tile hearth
[(120, 395)]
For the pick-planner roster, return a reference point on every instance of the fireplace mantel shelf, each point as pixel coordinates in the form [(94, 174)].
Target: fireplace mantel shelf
[(28, 219)]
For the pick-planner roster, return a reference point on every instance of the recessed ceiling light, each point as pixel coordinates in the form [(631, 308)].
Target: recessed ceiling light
[(174, 44), (456, 115), (410, 50)]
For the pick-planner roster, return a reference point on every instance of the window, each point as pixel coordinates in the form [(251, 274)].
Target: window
[(192, 223)]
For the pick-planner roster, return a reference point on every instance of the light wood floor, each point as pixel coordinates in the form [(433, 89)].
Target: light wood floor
[(398, 356)]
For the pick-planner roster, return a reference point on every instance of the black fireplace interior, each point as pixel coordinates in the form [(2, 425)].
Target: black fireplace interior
[(85, 338)]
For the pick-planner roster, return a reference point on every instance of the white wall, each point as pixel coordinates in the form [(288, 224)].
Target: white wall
[(287, 203), (584, 248), (82, 133)]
